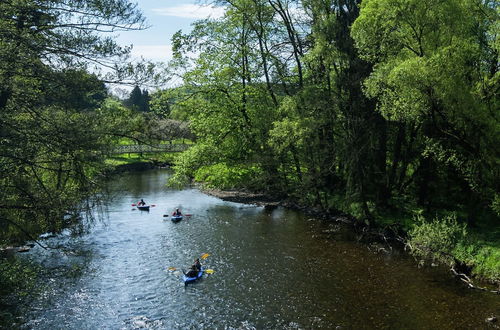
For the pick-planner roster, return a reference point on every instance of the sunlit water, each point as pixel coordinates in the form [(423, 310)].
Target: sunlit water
[(272, 270)]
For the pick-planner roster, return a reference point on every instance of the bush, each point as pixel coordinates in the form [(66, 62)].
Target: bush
[(487, 263), (437, 240), (223, 176), (484, 259)]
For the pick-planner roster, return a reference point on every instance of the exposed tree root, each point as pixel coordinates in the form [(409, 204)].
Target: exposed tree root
[(468, 281)]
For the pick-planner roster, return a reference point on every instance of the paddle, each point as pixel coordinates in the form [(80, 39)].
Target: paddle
[(203, 256), (185, 215), (173, 269), (207, 271)]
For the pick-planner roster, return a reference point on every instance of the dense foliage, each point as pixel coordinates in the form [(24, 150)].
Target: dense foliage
[(379, 108), (54, 127), (387, 103)]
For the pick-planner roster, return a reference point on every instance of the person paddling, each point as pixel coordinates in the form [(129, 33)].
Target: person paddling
[(197, 264), (142, 202), (192, 272), (177, 213)]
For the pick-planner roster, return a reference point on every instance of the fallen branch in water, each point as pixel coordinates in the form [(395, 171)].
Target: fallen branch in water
[(464, 278), (453, 262)]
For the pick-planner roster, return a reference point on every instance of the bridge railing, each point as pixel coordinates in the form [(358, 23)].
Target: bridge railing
[(149, 148)]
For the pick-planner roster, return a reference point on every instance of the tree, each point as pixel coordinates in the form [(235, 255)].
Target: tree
[(161, 104), (228, 111), (431, 61), (52, 138), (348, 106), (138, 100)]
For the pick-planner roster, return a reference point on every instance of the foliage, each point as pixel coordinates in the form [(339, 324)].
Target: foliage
[(18, 280), (427, 69), (189, 161), (222, 176), (374, 107), (446, 240), (483, 258), (155, 130), (437, 239), (56, 126), (496, 204), (138, 100), (160, 103), (16, 276)]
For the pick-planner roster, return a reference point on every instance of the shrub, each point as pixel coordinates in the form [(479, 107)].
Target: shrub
[(437, 240), (223, 176)]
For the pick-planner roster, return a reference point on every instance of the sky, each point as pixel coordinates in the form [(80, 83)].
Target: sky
[(165, 17)]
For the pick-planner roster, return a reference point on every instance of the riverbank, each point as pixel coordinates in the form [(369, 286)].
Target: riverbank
[(389, 237), (121, 264), (136, 162)]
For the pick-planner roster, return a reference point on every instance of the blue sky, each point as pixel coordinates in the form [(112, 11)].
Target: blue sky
[(165, 17)]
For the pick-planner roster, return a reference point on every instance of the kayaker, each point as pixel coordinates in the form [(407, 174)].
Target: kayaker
[(192, 272), (197, 264), (142, 202), (177, 213)]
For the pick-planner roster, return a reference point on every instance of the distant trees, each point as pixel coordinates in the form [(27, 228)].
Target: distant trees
[(138, 100)]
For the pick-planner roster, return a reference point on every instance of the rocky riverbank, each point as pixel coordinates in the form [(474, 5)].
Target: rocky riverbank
[(245, 197), (270, 202)]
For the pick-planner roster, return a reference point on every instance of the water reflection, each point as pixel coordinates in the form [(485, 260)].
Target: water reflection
[(274, 269)]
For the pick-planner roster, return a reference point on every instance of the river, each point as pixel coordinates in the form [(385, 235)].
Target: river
[(274, 269)]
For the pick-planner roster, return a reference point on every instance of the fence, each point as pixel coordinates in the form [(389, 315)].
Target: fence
[(149, 148)]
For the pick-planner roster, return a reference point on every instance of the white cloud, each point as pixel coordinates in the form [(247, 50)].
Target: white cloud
[(191, 11), (153, 52)]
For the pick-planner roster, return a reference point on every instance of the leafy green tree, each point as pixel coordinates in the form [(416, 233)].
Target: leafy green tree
[(228, 112), (383, 105), (161, 103), (432, 60), (52, 137)]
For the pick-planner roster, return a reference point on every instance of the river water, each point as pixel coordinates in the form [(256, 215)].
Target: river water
[(274, 269)]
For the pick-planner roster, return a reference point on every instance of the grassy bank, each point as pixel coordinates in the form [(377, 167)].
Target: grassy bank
[(134, 158), (474, 251), (448, 237)]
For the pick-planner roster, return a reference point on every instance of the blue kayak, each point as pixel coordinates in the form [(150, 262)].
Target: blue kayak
[(176, 218), (187, 279)]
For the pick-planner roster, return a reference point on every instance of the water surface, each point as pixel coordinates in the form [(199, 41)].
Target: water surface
[(272, 270)]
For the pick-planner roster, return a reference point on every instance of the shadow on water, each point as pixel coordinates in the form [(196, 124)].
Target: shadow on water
[(273, 269)]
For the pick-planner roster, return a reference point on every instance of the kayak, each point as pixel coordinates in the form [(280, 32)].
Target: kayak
[(192, 279), (143, 207), (176, 218)]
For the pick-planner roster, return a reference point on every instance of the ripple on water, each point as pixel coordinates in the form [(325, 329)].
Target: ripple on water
[(273, 270)]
